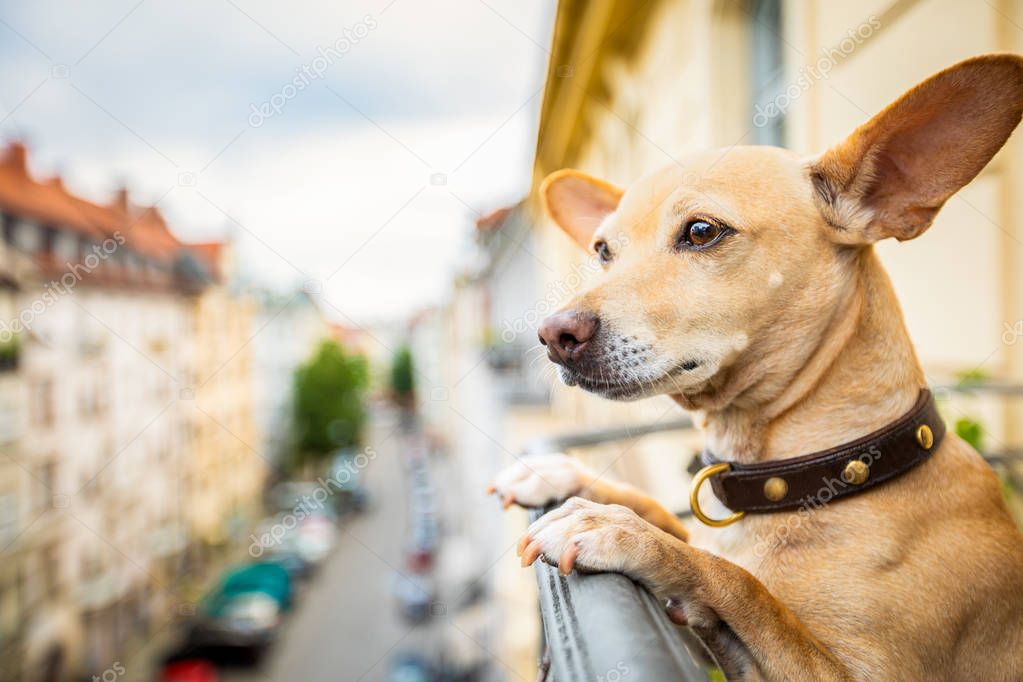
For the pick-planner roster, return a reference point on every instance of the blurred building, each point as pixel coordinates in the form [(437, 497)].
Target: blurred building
[(105, 315), (510, 276), (286, 330), (227, 465), (482, 393), (15, 482)]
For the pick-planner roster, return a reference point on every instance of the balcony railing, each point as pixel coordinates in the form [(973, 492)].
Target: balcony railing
[(605, 627)]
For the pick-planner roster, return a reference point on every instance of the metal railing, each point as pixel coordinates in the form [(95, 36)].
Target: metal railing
[(604, 626)]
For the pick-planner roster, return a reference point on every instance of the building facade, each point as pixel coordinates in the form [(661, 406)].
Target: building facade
[(226, 467), (104, 315)]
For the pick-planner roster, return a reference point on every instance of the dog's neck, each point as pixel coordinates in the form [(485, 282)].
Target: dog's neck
[(862, 375)]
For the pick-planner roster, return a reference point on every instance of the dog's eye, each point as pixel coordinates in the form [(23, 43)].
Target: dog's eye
[(603, 251), (699, 234)]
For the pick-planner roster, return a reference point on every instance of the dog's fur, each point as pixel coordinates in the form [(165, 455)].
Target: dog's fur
[(783, 338)]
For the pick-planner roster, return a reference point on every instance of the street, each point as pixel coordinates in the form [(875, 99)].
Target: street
[(346, 626)]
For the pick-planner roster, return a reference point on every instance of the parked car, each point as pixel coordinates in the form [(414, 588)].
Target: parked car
[(293, 562), (314, 538), (245, 609), (189, 670), (410, 668), (416, 595), (351, 495), (422, 542), (419, 553), (304, 497), (297, 545)]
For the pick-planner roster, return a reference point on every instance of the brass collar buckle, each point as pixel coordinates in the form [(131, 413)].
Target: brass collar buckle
[(694, 494)]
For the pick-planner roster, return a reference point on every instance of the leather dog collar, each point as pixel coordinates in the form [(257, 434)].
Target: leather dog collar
[(814, 480)]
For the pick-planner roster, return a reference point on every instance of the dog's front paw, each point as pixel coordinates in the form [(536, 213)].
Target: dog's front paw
[(537, 480), (591, 538)]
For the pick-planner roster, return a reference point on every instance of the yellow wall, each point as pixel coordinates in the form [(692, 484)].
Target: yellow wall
[(227, 470)]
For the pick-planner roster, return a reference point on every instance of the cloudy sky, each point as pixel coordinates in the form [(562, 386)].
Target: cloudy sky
[(349, 143)]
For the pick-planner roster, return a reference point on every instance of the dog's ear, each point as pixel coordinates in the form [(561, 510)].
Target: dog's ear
[(578, 202), (892, 175)]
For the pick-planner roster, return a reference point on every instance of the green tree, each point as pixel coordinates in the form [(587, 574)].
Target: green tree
[(403, 382), (970, 430), (329, 409)]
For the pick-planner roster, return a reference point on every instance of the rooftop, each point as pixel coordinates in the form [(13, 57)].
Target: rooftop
[(141, 228)]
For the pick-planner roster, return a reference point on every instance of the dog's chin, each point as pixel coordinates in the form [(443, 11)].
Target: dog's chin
[(613, 388)]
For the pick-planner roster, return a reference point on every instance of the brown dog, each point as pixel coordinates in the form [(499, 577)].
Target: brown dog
[(743, 284)]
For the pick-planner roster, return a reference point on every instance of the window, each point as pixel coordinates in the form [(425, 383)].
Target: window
[(8, 517), (67, 246), (767, 72), (101, 397), (49, 558), (10, 224), (21, 587), (92, 401), (41, 402), (27, 236), (90, 486), (86, 406), (92, 567), (46, 485), (10, 615), (49, 240)]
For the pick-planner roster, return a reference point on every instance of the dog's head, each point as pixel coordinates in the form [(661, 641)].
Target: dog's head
[(728, 267)]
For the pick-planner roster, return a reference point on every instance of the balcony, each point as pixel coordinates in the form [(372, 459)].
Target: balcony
[(606, 627), (11, 424), (518, 382), (10, 353)]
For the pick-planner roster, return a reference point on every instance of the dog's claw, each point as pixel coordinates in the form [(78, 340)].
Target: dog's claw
[(676, 613), (531, 552), (509, 501), (491, 489), (525, 540), (568, 559)]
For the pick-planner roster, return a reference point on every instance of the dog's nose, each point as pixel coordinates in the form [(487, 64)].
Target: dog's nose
[(567, 333)]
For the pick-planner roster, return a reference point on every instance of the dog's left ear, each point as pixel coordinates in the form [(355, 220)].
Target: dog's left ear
[(892, 175), (578, 202)]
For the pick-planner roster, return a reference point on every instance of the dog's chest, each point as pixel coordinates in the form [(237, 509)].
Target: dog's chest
[(737, 543)]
